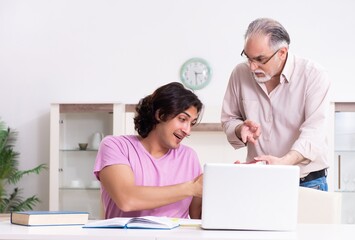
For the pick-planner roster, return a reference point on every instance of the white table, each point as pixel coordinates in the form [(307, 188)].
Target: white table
[(304, 232)]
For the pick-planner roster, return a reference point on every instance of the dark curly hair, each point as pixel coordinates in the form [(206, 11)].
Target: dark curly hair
[(169, 100)]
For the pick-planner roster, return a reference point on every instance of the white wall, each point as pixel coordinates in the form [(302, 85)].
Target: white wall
[(119, 51)]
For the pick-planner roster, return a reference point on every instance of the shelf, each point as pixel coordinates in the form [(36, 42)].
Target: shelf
[(344, 107), (78, 188), (346, 191), (77, 108), (207, 127), (130, 107), (200, 127), (78, 150)]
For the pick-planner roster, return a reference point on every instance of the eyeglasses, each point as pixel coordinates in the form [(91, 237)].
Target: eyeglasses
[(258, 60)]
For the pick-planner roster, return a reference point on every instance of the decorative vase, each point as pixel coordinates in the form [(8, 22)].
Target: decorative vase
[(96, 140)]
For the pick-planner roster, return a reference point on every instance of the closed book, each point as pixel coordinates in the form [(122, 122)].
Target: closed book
[(49, 218), (147, 222)]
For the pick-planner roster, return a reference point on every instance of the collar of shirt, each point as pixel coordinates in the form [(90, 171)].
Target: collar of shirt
[(288, 68)]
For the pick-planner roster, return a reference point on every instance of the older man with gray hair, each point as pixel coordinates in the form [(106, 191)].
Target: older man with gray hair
[(276, 104)]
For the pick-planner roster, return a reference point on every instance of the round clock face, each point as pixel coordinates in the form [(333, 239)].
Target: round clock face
[(195, 73)]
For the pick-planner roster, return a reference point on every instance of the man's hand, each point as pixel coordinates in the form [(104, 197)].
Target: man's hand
[(291, 158), (270, 160), (249, 131), (198, 183)]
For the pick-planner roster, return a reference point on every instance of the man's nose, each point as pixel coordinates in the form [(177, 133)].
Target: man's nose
[(253, 66), (187, 129)]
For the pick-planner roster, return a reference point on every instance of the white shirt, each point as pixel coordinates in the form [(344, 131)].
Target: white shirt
[(292, 117)]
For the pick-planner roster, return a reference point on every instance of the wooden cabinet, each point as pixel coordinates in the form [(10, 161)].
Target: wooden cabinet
[(344, 157)]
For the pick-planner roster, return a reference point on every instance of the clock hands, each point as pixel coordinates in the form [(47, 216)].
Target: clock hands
[(196, 76)]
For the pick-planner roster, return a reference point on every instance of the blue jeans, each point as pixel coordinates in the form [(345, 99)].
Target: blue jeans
[(319, 184)]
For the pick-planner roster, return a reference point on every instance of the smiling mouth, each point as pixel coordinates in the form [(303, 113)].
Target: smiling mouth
[(178, 136)]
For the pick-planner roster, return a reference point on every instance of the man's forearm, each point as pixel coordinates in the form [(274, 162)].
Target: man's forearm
[(293, 157)]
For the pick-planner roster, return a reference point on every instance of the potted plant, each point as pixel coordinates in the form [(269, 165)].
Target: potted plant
[(10, 174)]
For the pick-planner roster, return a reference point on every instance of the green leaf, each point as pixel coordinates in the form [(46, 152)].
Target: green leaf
[(10, 174)]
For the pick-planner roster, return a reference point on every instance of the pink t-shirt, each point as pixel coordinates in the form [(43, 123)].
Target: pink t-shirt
[(176, 166)]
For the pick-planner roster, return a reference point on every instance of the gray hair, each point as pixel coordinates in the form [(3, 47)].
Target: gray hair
[(278, 36)]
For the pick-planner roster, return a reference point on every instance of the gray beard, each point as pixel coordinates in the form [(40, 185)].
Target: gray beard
[(264, 79)]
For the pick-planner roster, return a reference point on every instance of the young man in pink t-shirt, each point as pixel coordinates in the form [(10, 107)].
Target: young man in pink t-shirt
[(152, 173)]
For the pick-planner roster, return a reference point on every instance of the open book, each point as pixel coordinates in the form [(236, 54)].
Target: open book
[(151, 222)]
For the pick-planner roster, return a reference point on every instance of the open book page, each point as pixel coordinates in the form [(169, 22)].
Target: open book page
[(152, 222), (108, 223), (185, 222)]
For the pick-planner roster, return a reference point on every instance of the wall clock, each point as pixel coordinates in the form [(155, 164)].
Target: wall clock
[(195, 73)]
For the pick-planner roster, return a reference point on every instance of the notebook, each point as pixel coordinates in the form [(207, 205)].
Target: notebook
[(250, 197)]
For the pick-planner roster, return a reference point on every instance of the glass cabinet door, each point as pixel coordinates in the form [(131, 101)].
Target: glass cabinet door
[(344, 159), (74, 186)]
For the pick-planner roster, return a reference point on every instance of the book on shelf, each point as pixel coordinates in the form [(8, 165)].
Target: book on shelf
[(49, 218), (146, 222)]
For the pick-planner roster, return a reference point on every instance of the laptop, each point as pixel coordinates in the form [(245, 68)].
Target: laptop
[(250, 197)]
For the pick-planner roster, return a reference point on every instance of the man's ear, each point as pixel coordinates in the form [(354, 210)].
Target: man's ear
[(157, 117), (283, 51)]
